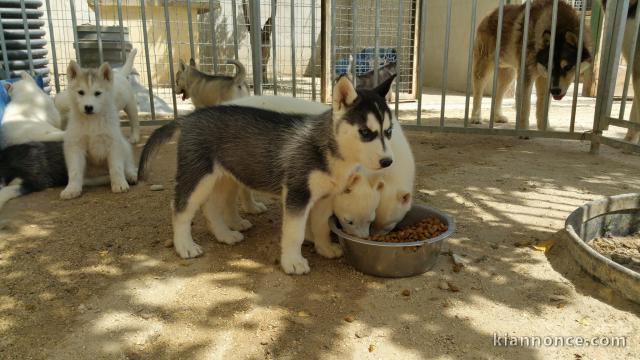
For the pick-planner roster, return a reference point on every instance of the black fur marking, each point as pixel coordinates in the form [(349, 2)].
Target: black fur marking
[(563, 51), (40, 165)]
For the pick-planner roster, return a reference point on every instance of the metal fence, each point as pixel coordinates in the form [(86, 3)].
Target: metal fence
[(297, 47)]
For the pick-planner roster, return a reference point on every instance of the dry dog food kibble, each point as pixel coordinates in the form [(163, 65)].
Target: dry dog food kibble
[(425, 229)]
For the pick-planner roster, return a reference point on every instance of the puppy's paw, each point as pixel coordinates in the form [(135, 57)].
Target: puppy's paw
[(241, 225), (476, 120), (294, 264), (132, 177), (188, 250), (501, 119), (229, 237), (330, 251), (134, 138), (255, 207), (119, 187), (70, 192)]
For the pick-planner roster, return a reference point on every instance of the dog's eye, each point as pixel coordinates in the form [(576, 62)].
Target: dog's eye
[(81, 93), (97, 93), (367, 134), (388, 133), (348, 222)]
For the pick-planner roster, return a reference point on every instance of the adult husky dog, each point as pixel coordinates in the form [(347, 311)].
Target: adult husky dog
[(633, 135), (537, 59), (307, 160)]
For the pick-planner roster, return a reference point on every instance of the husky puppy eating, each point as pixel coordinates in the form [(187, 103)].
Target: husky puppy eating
[(31, 114), (307, 160), (537, 59), (93, 132), (124, 98)]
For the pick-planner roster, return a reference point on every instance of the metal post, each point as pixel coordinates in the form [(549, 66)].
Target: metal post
[(523, 64), (27, 34), (234, 7), (630, 66), (376, 53), (610, 57), (96, 5), (398, 47), (445, 63), (421, 60), (576, 82), (53, 46), (190, 20), (121, 24), (496, 63), (3, 47), (293, 50), (474, 15), (333, 41), (171, 73), (214, 41), (147, 60), (74, 24), (256, 46), (313, 50), (273, 46), (552, 45), (354, 44)]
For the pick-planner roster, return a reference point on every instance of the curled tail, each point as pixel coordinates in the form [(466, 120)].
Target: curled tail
[(157, 138), (241, 73), (125, 70)]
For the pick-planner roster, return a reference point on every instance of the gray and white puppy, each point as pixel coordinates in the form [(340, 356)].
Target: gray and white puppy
[(305, 159)]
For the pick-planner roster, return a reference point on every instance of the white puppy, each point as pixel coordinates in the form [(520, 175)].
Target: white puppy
[(397, 181), (31, 115), (93, 132), (123, 96)]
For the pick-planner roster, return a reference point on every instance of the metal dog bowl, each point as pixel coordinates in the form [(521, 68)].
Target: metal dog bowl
[(618, 215), (396, 259)]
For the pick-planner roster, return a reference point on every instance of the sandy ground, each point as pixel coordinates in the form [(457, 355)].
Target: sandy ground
[(91, 278)]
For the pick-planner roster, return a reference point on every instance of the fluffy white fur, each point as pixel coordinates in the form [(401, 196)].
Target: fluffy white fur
[(93, 133), (123, 95), (398, 179), (31, 114)]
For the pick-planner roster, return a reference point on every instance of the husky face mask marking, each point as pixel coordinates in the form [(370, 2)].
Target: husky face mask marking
[(88, 87), (363, 123), (564, 60)]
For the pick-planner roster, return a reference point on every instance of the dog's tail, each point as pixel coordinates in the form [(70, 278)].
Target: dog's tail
[(125, 70), (241, 73), (160, 136)]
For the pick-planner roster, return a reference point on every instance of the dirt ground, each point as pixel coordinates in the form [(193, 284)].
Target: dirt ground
[(91, 277), (625, 250)]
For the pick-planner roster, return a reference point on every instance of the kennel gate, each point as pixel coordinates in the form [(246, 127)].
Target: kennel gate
[(344, 29)]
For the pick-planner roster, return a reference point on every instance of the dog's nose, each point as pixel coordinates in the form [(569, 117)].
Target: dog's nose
[(88, 109), (556, 91), (385, 162)]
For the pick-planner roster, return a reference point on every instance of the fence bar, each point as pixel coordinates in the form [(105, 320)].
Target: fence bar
[(3, 47), (214, 41), (273, 46), (293, 49), (621, 123), (234, 8), (313, 50), (27, 34), (445, 63), (121, 24), (496, 63), (398, 46), (74, 24), (256, 46), (190, 20), (474, 15), (145, 37), (171, 73), (523, 65), (630, 65), (552, 45), (421, 59), (499, 132), (376, 69), (96, 5), (354, 44), (333, 41), (576, 83), (52, 40), (619, 144), (609, 60)]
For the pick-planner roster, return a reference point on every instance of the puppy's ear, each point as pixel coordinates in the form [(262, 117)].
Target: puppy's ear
[(353, 180), (379, 185), (571, 39), (73, 70), (384, 87), (192, 62), (8, 87), (344, 94), (105, 71), (182, 65), (404, 198)]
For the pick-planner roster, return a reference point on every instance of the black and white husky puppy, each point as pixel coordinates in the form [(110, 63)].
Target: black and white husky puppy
[(305, 159), (32, 167)]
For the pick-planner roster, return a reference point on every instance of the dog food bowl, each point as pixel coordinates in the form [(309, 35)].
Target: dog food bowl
[(396, 259)]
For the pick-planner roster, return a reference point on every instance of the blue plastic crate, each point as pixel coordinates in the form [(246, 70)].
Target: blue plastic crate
[(363, 61)]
